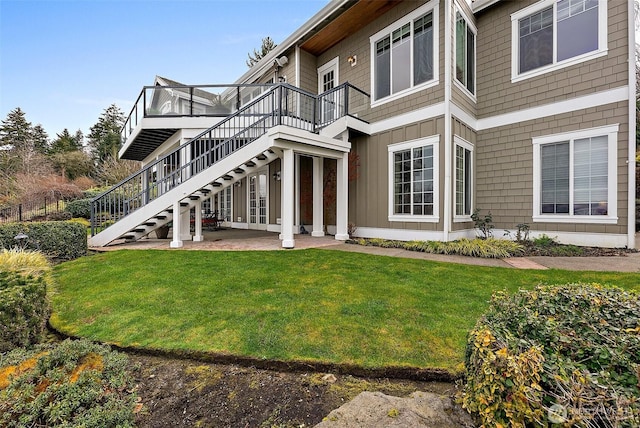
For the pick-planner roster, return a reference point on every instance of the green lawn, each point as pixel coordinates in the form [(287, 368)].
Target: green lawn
[(305, 305)]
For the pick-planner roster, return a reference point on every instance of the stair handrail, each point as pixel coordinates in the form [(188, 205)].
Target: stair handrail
[(141, 179)]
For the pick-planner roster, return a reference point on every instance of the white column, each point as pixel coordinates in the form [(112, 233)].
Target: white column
[(286, 184), (342, 197), (176, 242), (185, 224), (318, 202), (198, 222)]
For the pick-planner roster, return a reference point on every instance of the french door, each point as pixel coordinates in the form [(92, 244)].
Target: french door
[(258, 197)]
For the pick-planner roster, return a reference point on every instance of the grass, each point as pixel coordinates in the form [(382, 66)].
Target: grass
[(306, 305)]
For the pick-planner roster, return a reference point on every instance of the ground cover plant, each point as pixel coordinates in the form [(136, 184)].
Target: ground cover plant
[(306, 305), (73, 384), (567, 354)]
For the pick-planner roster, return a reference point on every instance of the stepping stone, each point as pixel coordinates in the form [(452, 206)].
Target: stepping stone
[(523, 263)]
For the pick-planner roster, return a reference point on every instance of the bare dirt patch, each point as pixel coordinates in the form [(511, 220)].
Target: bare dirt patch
[(189, 393)]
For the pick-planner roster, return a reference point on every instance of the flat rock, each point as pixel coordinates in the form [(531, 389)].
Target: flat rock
[(377, 410)]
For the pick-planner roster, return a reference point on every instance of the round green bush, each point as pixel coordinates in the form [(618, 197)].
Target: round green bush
[(79, 208), (566, 354)]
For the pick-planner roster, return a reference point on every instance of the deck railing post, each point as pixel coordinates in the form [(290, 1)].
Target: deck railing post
[(20, 212)]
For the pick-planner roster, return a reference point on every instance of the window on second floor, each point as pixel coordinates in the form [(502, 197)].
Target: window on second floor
[(405, 54), (465, 53), (552, 34)]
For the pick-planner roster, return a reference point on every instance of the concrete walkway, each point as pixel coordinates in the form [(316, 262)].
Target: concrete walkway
[(237, 240)]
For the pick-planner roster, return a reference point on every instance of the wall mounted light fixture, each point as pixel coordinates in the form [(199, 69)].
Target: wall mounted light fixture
[(276, 176), (352, 59)]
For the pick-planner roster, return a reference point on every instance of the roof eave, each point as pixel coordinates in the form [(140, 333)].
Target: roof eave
[(478, 5), (267, 61)]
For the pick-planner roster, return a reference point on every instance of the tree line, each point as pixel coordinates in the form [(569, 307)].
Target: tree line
[(33, 165)]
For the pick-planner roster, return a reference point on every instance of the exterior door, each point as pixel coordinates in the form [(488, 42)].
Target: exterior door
[(258, 196), (327, 80)]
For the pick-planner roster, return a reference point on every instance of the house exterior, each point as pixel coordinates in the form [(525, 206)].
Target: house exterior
[(398, 119)]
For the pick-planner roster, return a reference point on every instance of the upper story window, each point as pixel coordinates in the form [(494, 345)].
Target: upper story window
[(405, 55), (413, 180), (465, 53), (464, 179), (553, 34), (575, 176)]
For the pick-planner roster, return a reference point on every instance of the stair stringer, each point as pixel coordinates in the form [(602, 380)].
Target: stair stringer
[(181, 192)]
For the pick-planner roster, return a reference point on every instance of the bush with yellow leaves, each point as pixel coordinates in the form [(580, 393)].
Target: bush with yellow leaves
[(565, 355)]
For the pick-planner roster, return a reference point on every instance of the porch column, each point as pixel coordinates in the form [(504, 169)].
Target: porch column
[(176, 242), (198, 222), (342, 197), (185, 224), (318, 202), (286, 184)]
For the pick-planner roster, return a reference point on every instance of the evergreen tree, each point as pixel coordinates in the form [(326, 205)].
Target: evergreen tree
[(267, 46), (65, 142), (16, 131), (40, 139), (104, 137)]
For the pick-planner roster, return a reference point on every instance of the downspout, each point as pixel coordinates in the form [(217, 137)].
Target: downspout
[(447, 121), (631, 216)]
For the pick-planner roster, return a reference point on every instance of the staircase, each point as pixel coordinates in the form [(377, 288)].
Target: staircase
[(205, 165)]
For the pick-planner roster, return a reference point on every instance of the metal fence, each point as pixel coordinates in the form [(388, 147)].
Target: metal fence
[(38, 210)]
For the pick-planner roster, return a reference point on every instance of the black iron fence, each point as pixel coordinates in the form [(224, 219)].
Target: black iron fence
[(37, 210)]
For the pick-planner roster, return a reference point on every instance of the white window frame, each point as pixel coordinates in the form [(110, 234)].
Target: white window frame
[(612, 176), (458, 141), (474, 30), (432, 6), (516, 76), (433, 141)]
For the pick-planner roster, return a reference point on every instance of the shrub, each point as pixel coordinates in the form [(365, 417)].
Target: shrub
[(24, 309), (75, 383), (79, 208), (486, 248), (562, 354), (59, 216), (483, 224), (55, 239)]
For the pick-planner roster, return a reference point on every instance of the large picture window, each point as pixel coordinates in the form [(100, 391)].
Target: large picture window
[(552, 34), (404, 54), (413, 180), (575, 176), (465, 53)]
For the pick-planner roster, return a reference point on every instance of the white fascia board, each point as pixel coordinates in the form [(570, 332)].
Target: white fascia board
[(267, 62), (478, 5)]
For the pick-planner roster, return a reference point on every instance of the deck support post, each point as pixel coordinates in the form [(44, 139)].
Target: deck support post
[(286, 183), (318, 210), (342, 197), (198, 222), (176, 242)]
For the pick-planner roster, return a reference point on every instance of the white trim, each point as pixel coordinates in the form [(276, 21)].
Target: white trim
[(448, 140), (414, 116), (461, 114), (411, 234), (462, 86), (478, 5), (516, 76), (459, 141), (574, 104), (297, 66), (433, 141), (611, 132), (431, 6), (631, 190), (584, 239)]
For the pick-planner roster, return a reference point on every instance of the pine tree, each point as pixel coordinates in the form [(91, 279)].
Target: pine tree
[(16, 131), (104, 137), (267, 46)]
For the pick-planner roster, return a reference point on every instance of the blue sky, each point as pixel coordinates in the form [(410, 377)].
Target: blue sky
[(64, 61)]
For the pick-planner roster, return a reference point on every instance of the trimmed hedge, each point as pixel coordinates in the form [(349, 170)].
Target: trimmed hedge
[(55, 239), (79, 208), (566, 354), (73, 384), (24, 309)]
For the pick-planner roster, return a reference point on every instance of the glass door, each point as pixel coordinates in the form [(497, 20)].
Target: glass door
[(258, 195)]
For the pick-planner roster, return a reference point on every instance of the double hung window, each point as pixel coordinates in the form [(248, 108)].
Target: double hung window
[(405, 54), (552, 34), (575, 176), (414, 180)]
